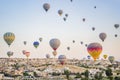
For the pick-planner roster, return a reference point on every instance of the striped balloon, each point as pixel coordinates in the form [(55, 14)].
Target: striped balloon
[(9, 37), (94, 49)]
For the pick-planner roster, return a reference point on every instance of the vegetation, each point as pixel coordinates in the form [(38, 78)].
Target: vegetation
[(109, 73), (67, 73)]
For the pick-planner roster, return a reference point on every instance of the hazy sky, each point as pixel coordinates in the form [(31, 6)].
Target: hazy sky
[(29, 21)]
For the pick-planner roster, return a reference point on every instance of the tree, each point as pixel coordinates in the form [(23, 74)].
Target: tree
[(86, 74), (98, 76), (78, 75), (109, 73), (67, 73)]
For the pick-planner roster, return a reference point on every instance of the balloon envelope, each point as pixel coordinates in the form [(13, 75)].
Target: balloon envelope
[(102, 36), (36, 44), (40, 39), (60, 12), (94, 49), (54, 43), (111, 58), (47, 55), (9, 37), (116, 26), (68, 48), (46, 6), (64, 19), (66, 15), (116, 35), (62, 59), (25, 42), (88, 56), (24, 51), (93, 28), (105, 56), (83, 19), (27, 54), (10, 53), (54, 53)]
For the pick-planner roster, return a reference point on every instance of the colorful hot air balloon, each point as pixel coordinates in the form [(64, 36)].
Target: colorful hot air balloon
[(102, 36), (105, 56), (54, 43), (116, 26), (47, 55), (62, 59), (9, 37), (94, 49), (10, 53), (60, 12), (27, 54), (40, 39), (111, 59), (25, 42), (36, 44), (46, 6)]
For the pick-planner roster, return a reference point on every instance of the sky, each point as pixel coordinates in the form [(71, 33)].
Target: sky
[(28, 20)]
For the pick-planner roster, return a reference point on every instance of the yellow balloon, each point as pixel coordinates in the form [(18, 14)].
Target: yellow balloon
[(94, 49), (9, 37), (105, 56)]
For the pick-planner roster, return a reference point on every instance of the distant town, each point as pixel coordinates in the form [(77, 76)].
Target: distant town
[(52, 69)]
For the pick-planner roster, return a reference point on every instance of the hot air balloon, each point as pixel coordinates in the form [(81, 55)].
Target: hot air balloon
[(60, 12), (54, 43), (9, 37), (71, 0), (24, 51), (40, 39), (81, 42), (27, 54), (93, 28), (68, 48), (62, 59), (73, 41), (46, 6), (64, 19), (86, 45), (54, 53), (66, 15), (116, 26), (47, 55), (83, 19), (105, 56), (36, 44), (10, 53), (94, 49), (111, 59), (95, 7), (88, 56), (115, 35), (25, 42), (102, 36)]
